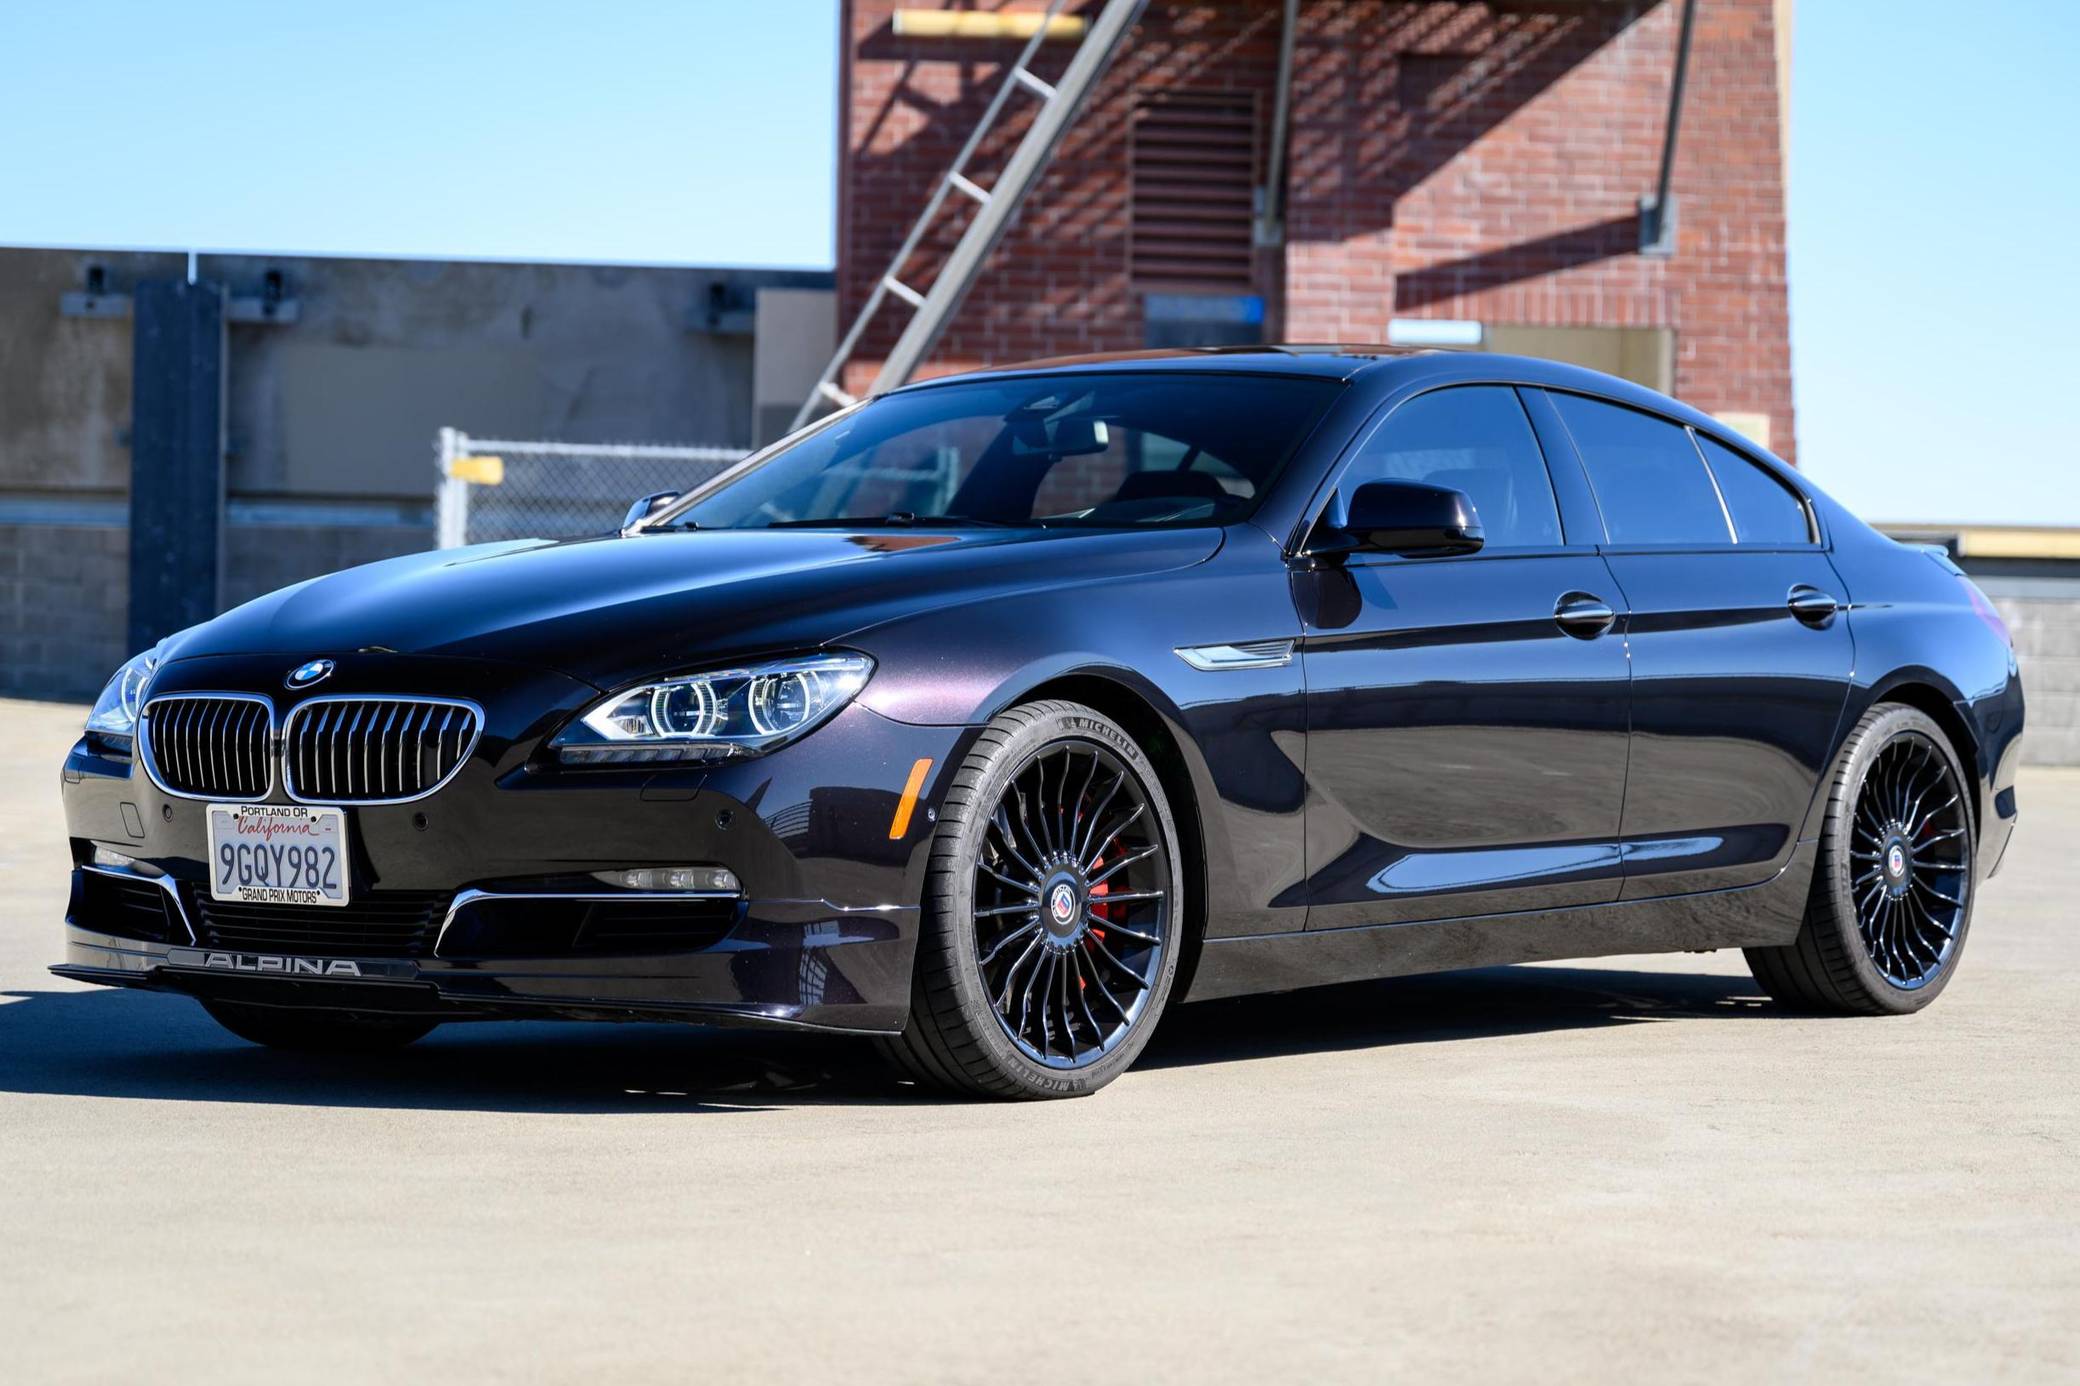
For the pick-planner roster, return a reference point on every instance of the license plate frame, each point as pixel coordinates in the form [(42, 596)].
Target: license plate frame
[(278, 854)]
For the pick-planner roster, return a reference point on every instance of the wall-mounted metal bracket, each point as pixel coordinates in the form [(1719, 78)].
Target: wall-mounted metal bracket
[(1657, 227), (272, 306), (1270, 201), (86, 305), (727, 310), (279, 312)]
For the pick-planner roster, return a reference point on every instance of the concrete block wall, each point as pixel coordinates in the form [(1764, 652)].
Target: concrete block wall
[(332, 410), (64, 589), (2047, 646)]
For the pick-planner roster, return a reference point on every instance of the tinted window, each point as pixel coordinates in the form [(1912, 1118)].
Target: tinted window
[(1111, 449), (1650, 483), (1763, 511), (1474, 439)]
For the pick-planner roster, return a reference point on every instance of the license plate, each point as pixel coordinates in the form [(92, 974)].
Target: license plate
[(278, 854)]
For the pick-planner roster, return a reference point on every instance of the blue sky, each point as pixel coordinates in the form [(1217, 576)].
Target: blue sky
[(1933, 185)]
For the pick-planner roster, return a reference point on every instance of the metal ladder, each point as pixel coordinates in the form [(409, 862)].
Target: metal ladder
[(934, 308)]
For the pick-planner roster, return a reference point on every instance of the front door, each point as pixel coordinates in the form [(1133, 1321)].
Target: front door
[(1467, 715)]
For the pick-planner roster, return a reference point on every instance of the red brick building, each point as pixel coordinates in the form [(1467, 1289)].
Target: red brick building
[(1481, 163)]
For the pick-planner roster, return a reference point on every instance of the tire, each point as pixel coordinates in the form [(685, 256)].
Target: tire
[(1068, 879), (1875, 942), (314, 1031)]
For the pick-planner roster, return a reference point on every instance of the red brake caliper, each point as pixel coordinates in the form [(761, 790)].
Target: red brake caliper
[(1099, 908)]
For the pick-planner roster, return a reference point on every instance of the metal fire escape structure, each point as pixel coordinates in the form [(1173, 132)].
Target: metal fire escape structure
[(933, 308), (1060, 102)]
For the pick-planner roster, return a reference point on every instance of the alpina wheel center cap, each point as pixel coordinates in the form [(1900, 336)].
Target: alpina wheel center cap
[(1896, 862), (1062, 907)]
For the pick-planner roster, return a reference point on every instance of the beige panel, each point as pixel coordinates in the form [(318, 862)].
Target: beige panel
[(796, 332), (1754, 427), (1643, 355), (360, 421)]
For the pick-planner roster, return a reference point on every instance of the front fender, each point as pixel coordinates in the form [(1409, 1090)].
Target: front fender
[(1238, 734)]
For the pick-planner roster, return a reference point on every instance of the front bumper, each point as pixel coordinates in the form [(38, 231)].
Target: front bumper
[(497, 862)]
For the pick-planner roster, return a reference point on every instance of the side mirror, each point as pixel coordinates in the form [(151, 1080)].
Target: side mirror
[(1410, 517), (646, 507)]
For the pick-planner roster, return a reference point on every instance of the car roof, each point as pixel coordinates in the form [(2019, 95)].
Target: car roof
[(1331, 361)]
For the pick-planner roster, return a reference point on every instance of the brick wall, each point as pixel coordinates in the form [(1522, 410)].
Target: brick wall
[(1447, 160)]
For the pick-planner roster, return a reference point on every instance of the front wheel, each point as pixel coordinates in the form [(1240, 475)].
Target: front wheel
[(320, 1032), (1892, 890), (1053, 912)]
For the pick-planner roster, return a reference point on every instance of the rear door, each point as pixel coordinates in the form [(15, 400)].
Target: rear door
[(1740, 661), (1466, 715)]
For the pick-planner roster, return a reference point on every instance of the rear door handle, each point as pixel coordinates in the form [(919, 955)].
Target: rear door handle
[(1811, 605), (1583, 616)]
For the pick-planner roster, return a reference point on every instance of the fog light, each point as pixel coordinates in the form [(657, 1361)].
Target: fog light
[(712, 880)]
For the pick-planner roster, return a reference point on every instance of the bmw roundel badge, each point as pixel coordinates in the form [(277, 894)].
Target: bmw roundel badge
[(309, 672)]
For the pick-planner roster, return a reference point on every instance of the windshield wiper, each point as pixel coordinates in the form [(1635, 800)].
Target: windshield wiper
[(899, 519)]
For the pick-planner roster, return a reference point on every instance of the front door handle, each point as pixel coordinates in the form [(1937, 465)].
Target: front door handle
[(1811, 605), (1583, 616)]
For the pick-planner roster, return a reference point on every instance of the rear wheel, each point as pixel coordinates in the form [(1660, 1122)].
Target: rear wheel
[(322, 1032), (1052, 912), (1892, 890)]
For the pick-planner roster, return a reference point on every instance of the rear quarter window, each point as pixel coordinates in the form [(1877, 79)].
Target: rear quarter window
[(1764, 510)]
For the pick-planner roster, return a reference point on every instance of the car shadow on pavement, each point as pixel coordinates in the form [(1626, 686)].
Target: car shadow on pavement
[(1445, 1006), (103, 1043)]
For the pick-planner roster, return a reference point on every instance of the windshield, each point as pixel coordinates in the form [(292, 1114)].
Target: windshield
[(1087, 450)]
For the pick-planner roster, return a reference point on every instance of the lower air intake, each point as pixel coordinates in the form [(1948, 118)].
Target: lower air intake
[(398, 924)]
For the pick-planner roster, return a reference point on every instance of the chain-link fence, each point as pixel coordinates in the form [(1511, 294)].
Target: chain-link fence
[(507, 488)]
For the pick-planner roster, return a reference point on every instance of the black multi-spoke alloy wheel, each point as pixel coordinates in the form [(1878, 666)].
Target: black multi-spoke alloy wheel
[(1892, 890), (1053, 911), (316, 1032)]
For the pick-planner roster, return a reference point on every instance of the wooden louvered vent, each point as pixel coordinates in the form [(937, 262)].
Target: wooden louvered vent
[(1193, 158)]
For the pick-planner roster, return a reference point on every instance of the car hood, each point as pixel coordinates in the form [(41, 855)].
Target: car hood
[(611, 611)]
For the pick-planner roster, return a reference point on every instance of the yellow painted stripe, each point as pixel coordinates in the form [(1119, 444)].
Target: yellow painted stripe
[(971, 24), (2017, 541), (906, 805)]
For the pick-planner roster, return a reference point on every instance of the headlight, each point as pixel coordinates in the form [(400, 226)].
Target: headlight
[(114, 717), (716, 716)]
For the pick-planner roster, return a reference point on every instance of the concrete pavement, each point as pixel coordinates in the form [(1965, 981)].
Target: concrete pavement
[(1635, 1168)]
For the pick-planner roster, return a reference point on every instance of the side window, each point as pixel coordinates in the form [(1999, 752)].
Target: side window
[(1650, 483), (1763, 510), (1475, 439)]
